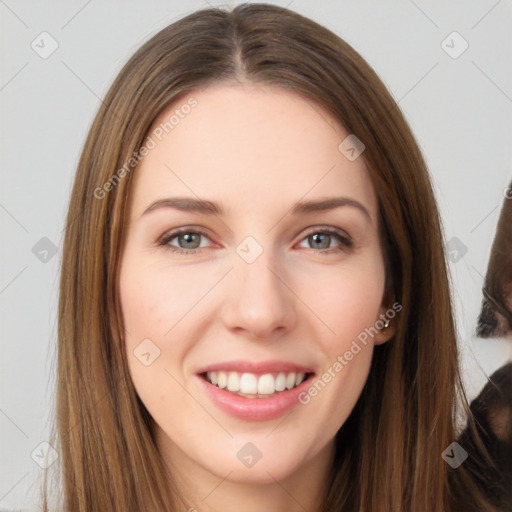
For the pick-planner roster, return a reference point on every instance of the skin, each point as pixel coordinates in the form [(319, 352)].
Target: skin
[(256, 150)]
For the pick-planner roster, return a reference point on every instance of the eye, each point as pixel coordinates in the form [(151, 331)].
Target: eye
[(192, 240), (321, 237), (189, 240)]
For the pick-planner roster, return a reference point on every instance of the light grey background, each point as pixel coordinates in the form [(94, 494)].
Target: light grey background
[(460, 110)]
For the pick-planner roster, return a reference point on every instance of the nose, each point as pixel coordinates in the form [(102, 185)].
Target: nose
[(261, 303)]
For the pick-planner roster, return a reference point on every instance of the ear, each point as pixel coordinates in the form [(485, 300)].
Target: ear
[(385, 334)]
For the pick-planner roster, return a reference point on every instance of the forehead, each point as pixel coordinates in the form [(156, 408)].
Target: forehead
[(249, 146)]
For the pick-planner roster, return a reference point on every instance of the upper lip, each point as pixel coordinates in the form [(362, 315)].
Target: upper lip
[(273, 366)]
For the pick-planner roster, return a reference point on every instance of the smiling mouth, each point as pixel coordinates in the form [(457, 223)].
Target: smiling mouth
[(251, 385)]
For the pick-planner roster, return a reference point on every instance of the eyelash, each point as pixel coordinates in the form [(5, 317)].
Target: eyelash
[(345, 244)]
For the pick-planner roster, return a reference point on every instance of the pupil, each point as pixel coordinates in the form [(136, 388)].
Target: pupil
[(317, 236), (188, 238)]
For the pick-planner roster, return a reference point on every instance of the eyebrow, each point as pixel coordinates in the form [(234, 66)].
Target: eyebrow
[(205, 207)]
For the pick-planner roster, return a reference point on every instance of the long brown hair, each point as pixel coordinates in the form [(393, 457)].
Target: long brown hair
[(388, 452)]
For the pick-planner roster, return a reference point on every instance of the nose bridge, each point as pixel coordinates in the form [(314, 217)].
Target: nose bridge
[(256, 269), (256, 265), (260, 301)]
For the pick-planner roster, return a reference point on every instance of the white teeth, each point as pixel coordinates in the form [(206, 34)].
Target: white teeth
[(248, 383), (233, 381), (290, 380), (266, 384), (281, 382), (222, 380), (252, 384)]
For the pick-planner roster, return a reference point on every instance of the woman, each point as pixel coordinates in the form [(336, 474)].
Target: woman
[(258, 368)]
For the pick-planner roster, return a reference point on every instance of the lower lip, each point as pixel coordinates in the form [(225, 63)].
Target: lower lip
[(255, 409)]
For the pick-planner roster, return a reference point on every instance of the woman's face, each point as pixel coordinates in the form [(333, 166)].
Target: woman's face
[(257, 289)]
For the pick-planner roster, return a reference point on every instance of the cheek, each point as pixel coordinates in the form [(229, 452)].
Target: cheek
[(152, 302), (347, 302), (154, 299), (159, 304)]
